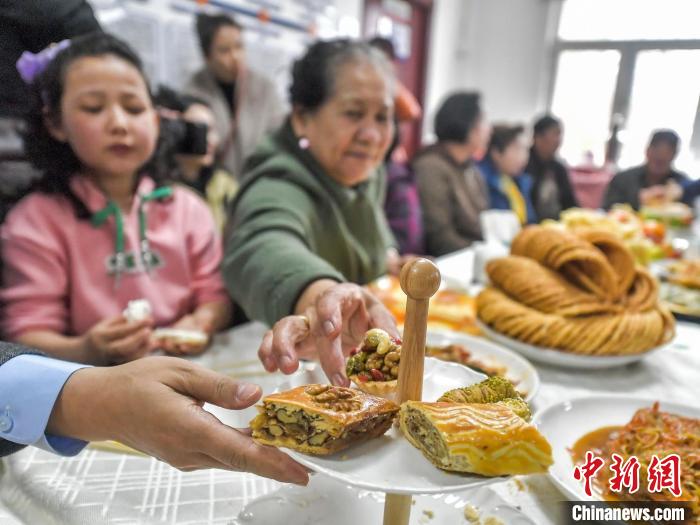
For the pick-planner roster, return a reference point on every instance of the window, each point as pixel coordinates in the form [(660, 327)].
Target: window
[(584, 103), (629, 20), (633, 62), (665, 94)]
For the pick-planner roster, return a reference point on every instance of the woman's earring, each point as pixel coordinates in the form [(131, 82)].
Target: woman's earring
[(304, 143)]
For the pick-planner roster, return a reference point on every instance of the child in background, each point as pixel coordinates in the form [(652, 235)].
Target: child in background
[(102, 228)]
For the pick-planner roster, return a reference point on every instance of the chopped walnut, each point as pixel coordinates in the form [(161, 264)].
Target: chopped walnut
[(335, 398)]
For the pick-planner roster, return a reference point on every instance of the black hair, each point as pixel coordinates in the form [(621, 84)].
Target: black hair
[(207, 27), (665, 136), (54, 158), (503, 136), (313, 75), (544, 124), (457, 116), (384, 45)]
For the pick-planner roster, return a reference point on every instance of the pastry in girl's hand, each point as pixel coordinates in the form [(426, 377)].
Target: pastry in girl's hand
[(180, 337), (374, 367), (137, 310)]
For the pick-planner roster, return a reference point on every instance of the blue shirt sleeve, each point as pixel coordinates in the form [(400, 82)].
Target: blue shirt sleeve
[(29, 387)]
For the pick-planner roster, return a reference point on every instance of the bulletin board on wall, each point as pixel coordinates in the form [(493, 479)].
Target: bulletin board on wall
[(276, 32)]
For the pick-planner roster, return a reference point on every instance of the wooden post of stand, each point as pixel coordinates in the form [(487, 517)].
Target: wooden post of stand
[(420, 279)]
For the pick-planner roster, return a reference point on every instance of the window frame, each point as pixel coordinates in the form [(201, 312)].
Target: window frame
[(629, 50)]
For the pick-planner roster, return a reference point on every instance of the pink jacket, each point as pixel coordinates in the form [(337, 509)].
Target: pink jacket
[(55, 273)]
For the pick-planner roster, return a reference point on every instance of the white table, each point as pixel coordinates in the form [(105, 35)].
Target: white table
[(105, 487)]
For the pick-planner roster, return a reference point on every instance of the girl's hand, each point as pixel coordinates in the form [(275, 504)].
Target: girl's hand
[(116, 340), (187, 322)]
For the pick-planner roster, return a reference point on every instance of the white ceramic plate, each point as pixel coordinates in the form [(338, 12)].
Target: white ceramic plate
[(565, 423), (390, 463), (319, 504), (518, 369), (550, 356)]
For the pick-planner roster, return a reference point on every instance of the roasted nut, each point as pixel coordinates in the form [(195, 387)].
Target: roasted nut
[(392, 358), (275, 430), (295, 429), (349, 405), (286, 417), (318, 439), (314, 390), (328, 395), (374, 337), (337, 398), (374, 361), (394, 371), (384, 346)]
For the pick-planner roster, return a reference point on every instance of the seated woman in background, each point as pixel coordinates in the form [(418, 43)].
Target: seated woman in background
[(451, 189), (309, 215), (509, 186), (552, 191), (199, 169), (103, 228)]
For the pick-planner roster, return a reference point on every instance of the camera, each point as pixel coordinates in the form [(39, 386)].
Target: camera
[(188, 138)]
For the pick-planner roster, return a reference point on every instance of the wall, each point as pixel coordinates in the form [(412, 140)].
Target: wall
[(152, 26), (502, 48)]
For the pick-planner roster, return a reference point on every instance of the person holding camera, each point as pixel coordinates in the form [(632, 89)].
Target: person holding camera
[(245, 103), (104, 227), (191, 125)]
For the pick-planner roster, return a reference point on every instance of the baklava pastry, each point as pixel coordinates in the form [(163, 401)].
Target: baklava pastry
[(374, 367), (492, 390), (485, 439), (321, 419)]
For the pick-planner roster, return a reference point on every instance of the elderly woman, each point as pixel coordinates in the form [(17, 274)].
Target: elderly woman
[(503, 168), (451, 189), (308, 219)]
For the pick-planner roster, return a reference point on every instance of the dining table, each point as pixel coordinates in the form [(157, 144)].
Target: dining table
[(107, 483)]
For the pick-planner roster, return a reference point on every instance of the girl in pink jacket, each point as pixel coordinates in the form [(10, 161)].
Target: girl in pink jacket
[(102, 228)]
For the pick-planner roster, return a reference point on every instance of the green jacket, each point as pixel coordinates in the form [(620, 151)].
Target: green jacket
[(291, 224)]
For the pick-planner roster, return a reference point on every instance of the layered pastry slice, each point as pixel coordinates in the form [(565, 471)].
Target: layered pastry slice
[(492, 390), (486, 439), (321, 419), (374, 367)]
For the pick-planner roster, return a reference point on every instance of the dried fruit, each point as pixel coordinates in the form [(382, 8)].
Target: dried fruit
[(376, 374)]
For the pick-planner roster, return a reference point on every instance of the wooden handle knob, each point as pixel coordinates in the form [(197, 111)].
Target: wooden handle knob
[(420, 278)]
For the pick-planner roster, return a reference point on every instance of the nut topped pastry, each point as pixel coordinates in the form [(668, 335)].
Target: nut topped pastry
[(321, 419), (486, 439), (374, 367), (492, 390)]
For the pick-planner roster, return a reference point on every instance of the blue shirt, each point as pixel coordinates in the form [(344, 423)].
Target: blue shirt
[(29, 387)]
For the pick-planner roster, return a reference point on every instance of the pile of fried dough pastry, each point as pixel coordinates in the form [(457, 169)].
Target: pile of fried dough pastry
[(577, 292)]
